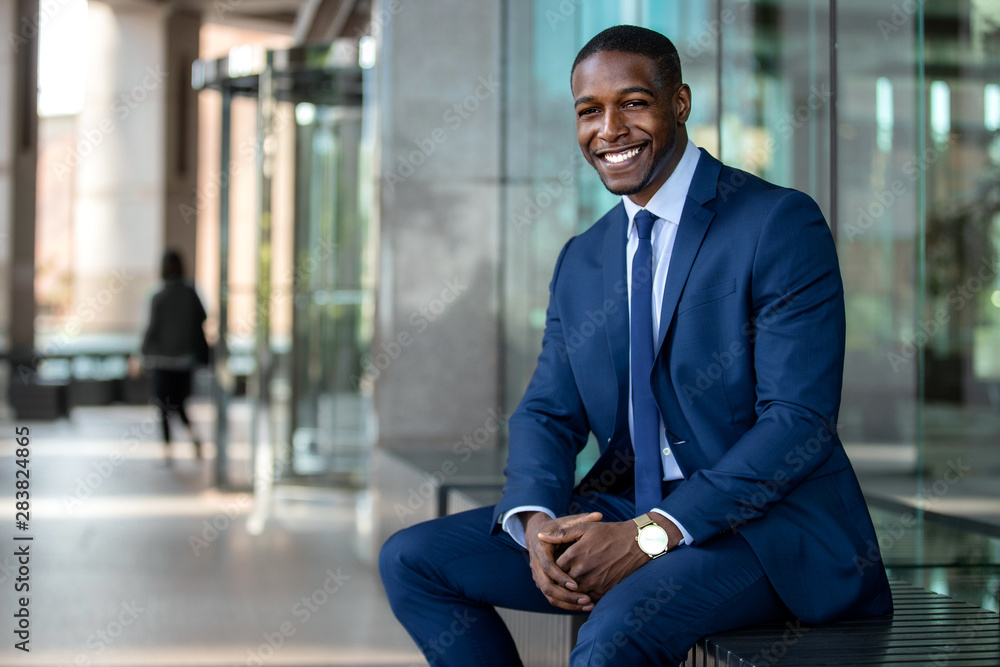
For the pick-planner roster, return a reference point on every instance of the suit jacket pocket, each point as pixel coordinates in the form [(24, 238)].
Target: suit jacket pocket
[(701, 297)]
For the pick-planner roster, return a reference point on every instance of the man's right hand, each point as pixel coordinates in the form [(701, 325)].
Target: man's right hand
[(557, 587)]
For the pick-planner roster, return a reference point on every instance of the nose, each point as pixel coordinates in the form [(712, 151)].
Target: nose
[(613, 126)]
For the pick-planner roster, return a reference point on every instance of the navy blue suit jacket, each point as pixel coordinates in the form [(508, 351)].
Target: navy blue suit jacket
[(747, 380)]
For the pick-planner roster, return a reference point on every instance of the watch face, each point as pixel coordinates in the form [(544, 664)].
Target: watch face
[(653, 540)]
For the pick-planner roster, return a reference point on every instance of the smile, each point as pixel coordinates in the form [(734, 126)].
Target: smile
[(622, 156)]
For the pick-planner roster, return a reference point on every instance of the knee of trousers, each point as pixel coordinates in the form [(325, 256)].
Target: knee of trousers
[(645, 633), (400, 558)]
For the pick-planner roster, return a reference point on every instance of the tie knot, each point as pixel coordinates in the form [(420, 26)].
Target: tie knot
[(644, 223)]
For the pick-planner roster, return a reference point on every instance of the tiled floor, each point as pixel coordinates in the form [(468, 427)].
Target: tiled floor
[(135, 564)]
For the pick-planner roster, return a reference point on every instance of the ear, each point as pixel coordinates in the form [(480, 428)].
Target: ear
[(682, 103)]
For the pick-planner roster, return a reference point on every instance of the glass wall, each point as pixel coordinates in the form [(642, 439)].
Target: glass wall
[(888, 114)]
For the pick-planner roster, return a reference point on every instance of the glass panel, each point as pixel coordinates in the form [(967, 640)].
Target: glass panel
[(552, 192), (331, 417), (959, 328), (776, 93), (878, 199)]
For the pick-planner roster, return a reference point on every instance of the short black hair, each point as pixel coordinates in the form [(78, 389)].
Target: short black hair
[(172, 266), (634, 39)]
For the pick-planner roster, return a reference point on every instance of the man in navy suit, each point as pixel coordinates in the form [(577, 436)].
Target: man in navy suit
[(697, 330)]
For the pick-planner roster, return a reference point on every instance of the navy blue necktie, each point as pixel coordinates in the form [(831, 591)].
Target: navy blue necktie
[(645, 417)]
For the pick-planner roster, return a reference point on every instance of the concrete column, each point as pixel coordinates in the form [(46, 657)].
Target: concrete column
[(181, 149), (18, 158), (120, 179), (436, 357)]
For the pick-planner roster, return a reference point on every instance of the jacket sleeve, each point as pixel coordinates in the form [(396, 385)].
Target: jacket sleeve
[(549, 427), (149, 337), (798, 337)]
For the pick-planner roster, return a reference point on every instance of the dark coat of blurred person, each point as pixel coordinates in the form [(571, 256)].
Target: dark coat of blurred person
[(173, 345)]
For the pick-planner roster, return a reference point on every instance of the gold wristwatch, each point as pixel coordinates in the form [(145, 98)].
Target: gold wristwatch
[(651, 538)]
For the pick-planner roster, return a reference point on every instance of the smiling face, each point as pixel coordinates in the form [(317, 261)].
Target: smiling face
[(630, 126)]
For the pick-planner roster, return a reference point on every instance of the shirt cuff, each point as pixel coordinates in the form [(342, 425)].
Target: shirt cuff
[(516, 528), (688, 540)]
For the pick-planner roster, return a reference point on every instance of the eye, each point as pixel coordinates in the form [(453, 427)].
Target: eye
[(635, 103), (586, 112)]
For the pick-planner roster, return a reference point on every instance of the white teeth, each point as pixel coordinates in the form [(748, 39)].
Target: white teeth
[(615, 158)]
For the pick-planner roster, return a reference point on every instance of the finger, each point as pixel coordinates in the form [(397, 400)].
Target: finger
[(556, 594), (576, 566), (554, 581), (557, 538), (564, 535), (575, 519)]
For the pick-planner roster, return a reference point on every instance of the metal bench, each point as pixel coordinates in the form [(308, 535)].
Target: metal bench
[(926, 629)]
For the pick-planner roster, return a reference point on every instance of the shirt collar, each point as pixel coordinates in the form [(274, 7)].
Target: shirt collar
[(668, 202)]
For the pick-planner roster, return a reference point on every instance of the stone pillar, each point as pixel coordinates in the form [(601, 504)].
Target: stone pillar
[(436, 356), (120, 179), (18, 158), (181, 149)]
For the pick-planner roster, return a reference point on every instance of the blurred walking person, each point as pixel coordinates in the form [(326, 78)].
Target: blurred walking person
[(173, 345)]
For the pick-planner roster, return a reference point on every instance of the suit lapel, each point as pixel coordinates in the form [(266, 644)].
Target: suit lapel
[(691, 230), (616, 290)]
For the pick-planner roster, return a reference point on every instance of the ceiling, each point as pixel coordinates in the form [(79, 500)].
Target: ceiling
[(308, 20)]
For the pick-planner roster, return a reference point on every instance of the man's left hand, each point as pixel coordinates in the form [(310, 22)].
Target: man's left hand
[(600, 555)]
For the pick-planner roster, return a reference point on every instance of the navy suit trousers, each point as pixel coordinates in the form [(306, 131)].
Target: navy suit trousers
[(444, 577)]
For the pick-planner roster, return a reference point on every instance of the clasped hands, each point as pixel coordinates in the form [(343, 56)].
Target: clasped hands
[(577, 559)]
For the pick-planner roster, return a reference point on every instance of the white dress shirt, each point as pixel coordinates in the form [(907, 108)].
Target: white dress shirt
[(667, 205)]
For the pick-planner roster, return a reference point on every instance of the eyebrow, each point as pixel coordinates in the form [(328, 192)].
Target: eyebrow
[(586, 99)]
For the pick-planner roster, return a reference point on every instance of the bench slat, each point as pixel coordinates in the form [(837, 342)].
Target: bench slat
[(926, 628)]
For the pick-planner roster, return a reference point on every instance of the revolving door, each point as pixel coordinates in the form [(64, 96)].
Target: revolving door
[(296, 266)]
